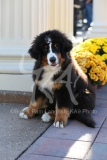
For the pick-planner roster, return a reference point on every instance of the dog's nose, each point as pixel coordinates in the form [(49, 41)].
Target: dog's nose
[(52, 59)]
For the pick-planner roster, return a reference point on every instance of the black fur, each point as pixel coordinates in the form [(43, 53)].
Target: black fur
[(36, 49), (81, 90)]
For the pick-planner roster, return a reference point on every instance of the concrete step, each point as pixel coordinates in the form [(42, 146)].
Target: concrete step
[(15, 97)]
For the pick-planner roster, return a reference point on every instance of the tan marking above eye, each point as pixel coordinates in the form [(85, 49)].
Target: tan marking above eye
[(55, 45), (46, 47)]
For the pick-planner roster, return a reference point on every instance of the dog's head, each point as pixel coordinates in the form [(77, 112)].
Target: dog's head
[(50, 48)]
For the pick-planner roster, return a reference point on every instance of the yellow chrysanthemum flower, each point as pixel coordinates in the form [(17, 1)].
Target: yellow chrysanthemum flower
[(105, 48), (97, 46), (87, 65), (92, 66), (104, 56)]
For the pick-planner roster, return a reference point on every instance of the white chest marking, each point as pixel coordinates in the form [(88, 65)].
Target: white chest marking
[(46, 81)]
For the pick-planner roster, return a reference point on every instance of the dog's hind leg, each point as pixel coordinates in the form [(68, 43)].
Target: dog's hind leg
[(33, 108), (38, 100), (86, 104)]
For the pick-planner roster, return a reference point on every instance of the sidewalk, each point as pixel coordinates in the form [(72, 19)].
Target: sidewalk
[(75, 141), (17, 134)]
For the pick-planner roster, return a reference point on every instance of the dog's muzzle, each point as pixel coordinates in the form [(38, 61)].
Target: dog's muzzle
[(53, 60)]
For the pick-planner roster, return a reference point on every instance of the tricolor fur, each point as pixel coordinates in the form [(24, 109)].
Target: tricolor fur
[(61, 87)]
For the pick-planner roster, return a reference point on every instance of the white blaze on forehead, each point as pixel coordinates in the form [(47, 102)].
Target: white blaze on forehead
[(48, 39), (51, 54), (50, 47)]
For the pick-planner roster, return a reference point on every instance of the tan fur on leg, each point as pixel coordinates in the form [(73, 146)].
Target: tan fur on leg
[(52, 115), (34, 107), (62, 116)]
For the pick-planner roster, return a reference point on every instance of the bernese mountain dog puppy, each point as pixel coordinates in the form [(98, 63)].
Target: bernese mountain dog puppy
[(60, 86)]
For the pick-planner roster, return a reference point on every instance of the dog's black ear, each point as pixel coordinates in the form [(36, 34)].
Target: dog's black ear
[(66, 45), (34, 50)]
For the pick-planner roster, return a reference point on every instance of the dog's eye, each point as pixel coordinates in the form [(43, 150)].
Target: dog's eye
[(55, 45)]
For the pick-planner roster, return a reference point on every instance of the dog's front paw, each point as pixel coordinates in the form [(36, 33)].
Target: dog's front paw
[(61, 117), (22, 114), (46, 117), (59, 124)]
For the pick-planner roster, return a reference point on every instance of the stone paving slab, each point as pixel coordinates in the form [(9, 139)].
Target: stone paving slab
[(102, 88), (99, 111), (101, 103), (105, 124), (73, 131), (17, 134), (99, 121), (97, 152), (40, 157), (102, 136), (101, 95), (59, 148)]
